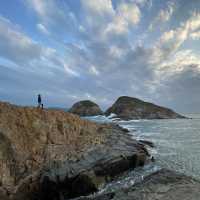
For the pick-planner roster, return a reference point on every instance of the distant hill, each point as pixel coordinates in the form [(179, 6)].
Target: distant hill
[(132, 108), (86, 108)]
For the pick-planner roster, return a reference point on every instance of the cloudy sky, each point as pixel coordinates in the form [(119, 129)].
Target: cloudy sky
[(71, 50)]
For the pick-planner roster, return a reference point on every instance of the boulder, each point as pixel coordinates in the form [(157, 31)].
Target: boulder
[(128, 108), (86, 108)]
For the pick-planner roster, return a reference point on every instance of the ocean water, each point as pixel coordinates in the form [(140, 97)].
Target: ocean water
[(177, 143)]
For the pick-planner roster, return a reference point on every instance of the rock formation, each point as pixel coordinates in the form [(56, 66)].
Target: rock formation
[(86, 108), (132, 108), (49, 154), (162, 185)]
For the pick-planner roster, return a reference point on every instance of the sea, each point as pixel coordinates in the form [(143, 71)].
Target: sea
[(177, 146)]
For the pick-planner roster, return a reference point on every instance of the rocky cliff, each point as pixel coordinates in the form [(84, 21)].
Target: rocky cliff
[(86, 108), (132, 108), (49, 154)]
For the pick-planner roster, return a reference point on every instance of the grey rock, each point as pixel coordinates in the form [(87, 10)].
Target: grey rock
[(86, 108), (132, 108), (162, 185)]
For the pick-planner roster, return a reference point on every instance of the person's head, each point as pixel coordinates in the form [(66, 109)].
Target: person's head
[(38, 95)]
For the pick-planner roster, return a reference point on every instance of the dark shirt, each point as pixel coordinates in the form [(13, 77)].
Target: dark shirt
[(39, 99)]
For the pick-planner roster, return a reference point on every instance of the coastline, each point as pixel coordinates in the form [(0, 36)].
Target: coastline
[(63, 151)]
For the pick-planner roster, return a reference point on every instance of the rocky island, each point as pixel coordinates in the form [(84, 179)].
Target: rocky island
[(128, 108), (86, 108)]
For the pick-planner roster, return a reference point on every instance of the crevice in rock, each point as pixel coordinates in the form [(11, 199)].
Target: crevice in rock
[(81, 185)]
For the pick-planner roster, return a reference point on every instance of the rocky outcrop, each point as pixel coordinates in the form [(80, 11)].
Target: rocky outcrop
[(162, 185), (86, 108), (49, 154), (132, 108)]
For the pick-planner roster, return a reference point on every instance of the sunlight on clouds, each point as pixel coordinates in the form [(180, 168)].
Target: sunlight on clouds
[(180, 61), (195, 35), (129, 12)]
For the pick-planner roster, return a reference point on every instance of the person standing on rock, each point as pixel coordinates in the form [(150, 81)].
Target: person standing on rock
[(39, 101)]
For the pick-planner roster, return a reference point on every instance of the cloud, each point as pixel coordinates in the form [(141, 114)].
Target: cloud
[(129, 12), (93, 70), (163, 16), (99, 7), (97, 48), (53, 16), (42, 29), (16, 46), (20, 49)]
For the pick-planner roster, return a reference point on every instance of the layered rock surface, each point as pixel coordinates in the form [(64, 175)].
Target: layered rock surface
[(86, 108), (48, 154), (162, 185), (132, 108)]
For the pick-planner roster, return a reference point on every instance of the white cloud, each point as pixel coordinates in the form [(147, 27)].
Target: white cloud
[(181, 60), (195, 35), (15, 45), (170, 41), (26, 53), (142, 2), (100, 7), (126, 16), (129, 12), (42, 29), (163, 16), (103, 20), (93, 70), (40, 7), (116, 52), (194, 22), (117, 26)]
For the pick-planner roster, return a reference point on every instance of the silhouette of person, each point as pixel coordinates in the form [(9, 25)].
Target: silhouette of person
[(39, 101)]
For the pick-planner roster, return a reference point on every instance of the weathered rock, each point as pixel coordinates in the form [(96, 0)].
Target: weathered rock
[(162, 185), (132, 108), (147, 143), (3, 194), (86, 108), (47, 154), (99, 165)]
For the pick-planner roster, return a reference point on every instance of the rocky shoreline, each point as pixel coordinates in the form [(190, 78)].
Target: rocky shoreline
[(56, 155), (161, 185)]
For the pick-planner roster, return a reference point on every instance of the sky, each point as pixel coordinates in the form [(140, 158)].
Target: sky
[(71, 50)]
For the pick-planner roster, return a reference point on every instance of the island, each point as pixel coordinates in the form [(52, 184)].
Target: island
[(128, 108), (86, 108)]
